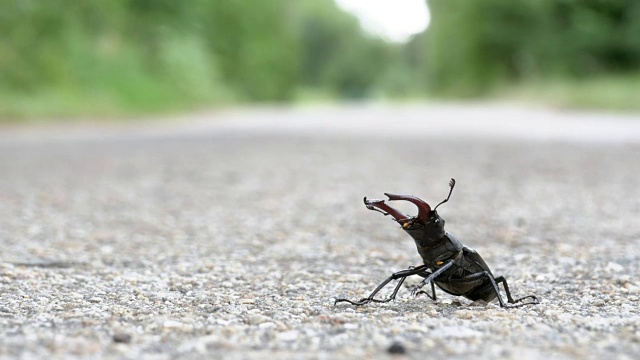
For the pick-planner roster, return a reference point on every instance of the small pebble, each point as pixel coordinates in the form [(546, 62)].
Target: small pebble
[(397, 349), (123, 338)]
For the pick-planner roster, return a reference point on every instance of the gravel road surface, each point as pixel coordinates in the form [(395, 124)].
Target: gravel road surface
[(229, 234)]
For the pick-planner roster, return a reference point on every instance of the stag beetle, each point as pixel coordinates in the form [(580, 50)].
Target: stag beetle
[(455, 268)]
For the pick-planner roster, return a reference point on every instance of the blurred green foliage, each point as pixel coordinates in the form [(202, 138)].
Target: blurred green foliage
[(120, 56), (101, 58), (474, 46)]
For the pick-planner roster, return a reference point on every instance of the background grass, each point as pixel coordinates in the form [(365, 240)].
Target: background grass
[(607, 92)]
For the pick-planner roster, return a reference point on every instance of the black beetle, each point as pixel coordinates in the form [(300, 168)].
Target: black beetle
[(455, 268)]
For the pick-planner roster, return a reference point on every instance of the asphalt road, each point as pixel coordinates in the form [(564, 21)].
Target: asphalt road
[(229, 234)]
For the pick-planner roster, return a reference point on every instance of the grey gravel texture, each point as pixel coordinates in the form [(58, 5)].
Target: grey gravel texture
[(212, 238)]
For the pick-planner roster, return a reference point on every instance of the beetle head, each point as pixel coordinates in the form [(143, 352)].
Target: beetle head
[(426, 234)]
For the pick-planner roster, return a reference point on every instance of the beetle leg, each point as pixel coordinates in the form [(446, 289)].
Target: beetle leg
[(431, 277), (369, 299), (402, 275), (431, 296), (534, 299), (494, 282)]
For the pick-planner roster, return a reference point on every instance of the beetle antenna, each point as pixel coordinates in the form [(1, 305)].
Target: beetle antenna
[(452, 183)]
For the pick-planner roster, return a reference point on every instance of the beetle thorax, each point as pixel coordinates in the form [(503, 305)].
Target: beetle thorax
[(446, 248)]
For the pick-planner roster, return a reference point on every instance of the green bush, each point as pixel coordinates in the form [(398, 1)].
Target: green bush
[(121, 56), (474, 45)]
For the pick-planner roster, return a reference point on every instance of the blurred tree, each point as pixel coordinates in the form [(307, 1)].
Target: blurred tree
[(472, 45), (138, 55), (255, 45), (335, 53)]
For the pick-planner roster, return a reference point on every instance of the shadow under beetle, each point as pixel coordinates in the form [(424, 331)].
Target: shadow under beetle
[(453, 267)]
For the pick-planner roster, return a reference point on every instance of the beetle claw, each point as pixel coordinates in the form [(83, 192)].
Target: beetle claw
[(424, 210), (385, 209), (371, 203)]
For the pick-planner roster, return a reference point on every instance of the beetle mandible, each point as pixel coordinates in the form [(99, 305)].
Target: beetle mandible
[(447, 263)]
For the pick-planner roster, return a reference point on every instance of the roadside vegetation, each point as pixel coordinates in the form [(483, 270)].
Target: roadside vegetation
[(124, 57), (574, 53)]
